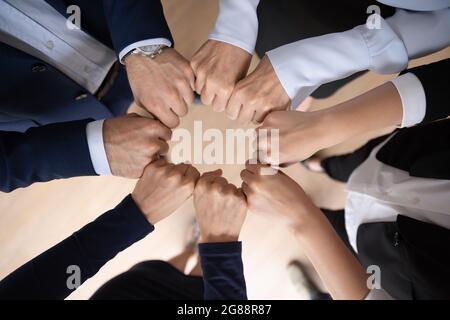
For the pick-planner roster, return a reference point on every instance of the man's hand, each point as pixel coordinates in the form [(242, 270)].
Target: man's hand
[(277, 195), (257, 95), (163, 85), (220, 208), (301, 134), (132, 142), (163, 188), (218, 66)]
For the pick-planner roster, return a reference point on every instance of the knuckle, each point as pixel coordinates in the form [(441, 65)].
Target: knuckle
[(174, 176)]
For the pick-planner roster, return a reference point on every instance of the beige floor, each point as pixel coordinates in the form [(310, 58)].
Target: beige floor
[(35, 218)]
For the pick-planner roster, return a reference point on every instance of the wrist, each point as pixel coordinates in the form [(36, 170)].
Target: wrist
[(140, 203), (223, 238), (132, 59), (337, 126), (307, 222)]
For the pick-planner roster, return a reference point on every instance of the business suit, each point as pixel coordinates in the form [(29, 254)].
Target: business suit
[(36, 94), (411, 253)]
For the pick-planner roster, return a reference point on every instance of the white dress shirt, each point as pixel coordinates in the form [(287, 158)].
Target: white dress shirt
[(378, 192), (36, 28), (304, 65)]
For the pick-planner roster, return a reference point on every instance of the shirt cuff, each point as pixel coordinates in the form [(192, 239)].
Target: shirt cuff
[(94, 133), (219, 248), (143, 43), (378, 294), (237, 24), (412, 95)]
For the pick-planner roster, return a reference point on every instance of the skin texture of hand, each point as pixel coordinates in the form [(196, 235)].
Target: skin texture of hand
[(132, 142), (301, 134), (282, 198), (257, 95), (218, 66), (220, 207), (163, 85), (278, 196), (163, 188)]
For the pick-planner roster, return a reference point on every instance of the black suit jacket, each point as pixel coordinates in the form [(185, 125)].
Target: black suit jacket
[(424, 150), (413, 256)]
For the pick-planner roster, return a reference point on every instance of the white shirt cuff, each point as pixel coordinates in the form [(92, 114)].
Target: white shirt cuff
[(94, 133), (378, 294), (413, 99), (143, 43), (237, 24)]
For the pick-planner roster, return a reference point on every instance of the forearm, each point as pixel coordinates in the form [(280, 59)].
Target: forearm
[(44, 153), (385, 50), (340, 271), (223, 271), (133, 21), (49, 275), (421, 32), (376, 109)]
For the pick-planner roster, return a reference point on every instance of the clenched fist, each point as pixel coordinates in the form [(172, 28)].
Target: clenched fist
[(278, 196), (220, 207), (257, 95), (132, 142), (163, 85), (163, 188), (218, 66), (301, 134)]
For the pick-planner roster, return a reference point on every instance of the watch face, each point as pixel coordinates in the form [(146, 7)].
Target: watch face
[(150, 49)]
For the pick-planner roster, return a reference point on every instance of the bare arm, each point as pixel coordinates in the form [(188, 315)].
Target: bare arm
[(378, 108), (340, 271)]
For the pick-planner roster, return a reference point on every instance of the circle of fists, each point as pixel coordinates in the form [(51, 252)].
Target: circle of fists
[(165, 87)]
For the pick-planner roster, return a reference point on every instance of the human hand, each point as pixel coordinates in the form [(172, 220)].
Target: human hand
[(257, 94), (220, 207), (163, 188), (132, 142), (300, 135), (278, 196), (163, 85), (218, 66)]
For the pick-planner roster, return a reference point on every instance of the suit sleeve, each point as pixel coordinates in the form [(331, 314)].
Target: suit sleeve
[(51, 276), (223, 271), (132, 21), (44, 153), (433, 78)]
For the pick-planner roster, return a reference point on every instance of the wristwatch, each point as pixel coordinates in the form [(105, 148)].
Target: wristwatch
[(151, 51)]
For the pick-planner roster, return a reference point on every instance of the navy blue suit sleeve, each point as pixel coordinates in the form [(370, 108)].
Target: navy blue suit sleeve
[(223, 271), (44, 153), (46, 276), (131, 21)]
